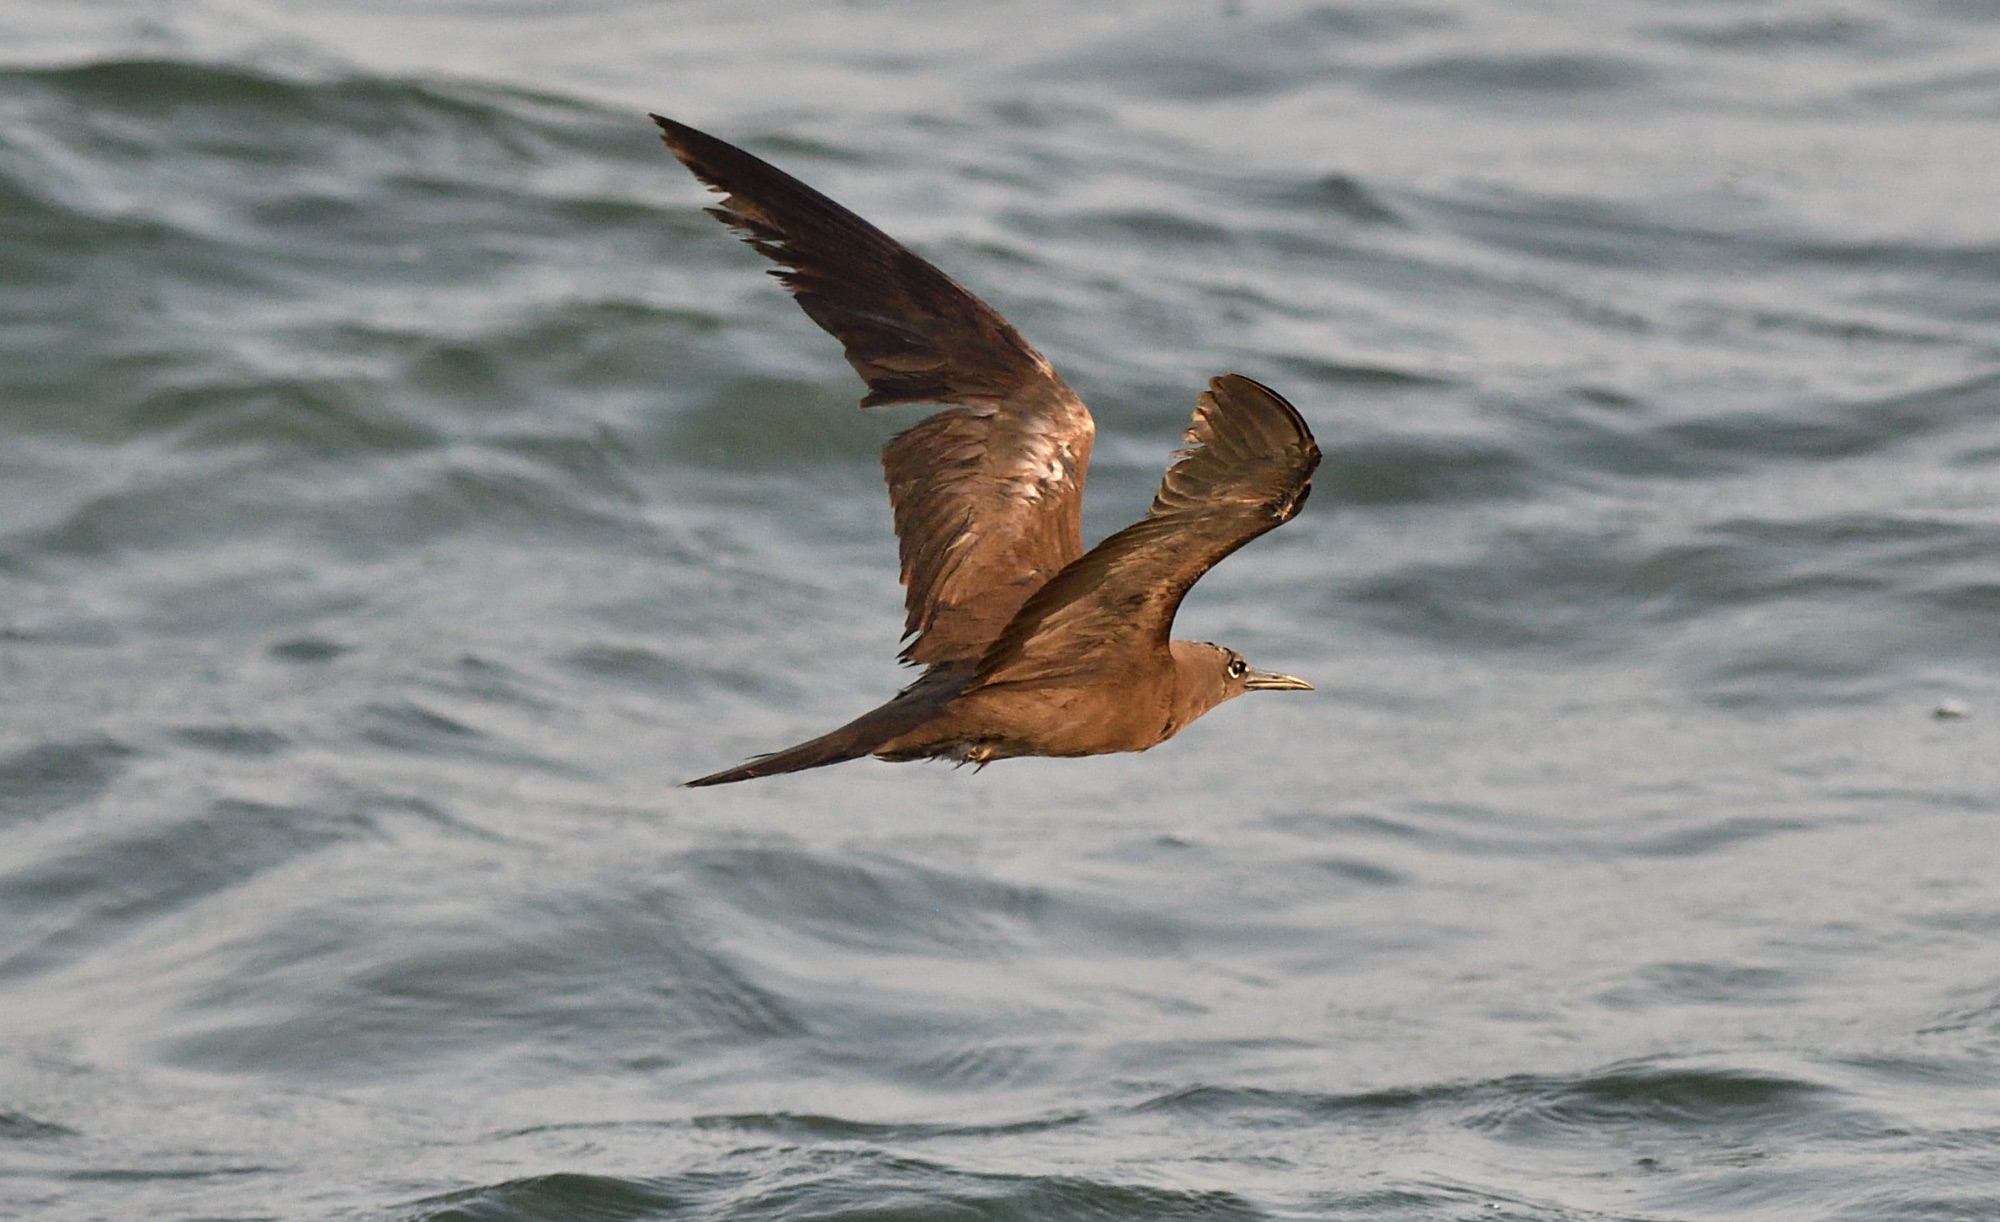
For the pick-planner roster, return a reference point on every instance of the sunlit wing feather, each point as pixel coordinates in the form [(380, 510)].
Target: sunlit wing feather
[(987, 493), (1247, 469)]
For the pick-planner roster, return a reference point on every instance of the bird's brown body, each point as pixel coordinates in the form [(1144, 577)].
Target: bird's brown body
[(1155, 698), (1032, 646)]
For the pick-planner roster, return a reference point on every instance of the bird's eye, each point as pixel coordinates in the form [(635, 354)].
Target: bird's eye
[(1238, 668)]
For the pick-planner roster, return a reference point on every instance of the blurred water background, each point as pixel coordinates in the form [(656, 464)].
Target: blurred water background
[(403, 486)]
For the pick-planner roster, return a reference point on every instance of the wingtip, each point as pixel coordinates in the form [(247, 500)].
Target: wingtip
[(670, 131), (1236, 385), (1222, 383), (678, 136)]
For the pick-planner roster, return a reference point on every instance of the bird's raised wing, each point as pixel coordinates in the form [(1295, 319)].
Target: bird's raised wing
[(1247, 469), (987, 494)]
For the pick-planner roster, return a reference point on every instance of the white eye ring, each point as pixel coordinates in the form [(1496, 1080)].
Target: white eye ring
[(1238, 668)]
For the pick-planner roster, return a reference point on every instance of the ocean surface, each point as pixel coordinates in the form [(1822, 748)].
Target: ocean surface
[(404, 487)]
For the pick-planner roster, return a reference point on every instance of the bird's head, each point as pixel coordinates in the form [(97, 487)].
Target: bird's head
[(1205, 675)]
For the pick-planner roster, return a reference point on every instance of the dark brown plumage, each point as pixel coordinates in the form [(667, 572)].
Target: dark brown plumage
[(1032, 645)]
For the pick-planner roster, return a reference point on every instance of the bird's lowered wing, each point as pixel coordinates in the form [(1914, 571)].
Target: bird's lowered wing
[(988, 493), (1247, 469)]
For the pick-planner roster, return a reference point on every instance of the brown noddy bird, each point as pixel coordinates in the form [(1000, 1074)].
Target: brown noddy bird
[(1031, 645)]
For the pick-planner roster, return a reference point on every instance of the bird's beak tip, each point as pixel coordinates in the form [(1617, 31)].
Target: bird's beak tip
[(1267, 681)]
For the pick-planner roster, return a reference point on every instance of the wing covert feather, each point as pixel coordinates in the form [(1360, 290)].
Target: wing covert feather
[(1246, 469), (987, 494)]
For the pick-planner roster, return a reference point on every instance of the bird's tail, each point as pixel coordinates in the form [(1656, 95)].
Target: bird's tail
[(846, 743), (912, 707)]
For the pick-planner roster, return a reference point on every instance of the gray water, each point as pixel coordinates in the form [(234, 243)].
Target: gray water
[(403, 486)]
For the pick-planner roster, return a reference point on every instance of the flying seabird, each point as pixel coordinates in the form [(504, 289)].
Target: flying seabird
[(1030, 644)]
